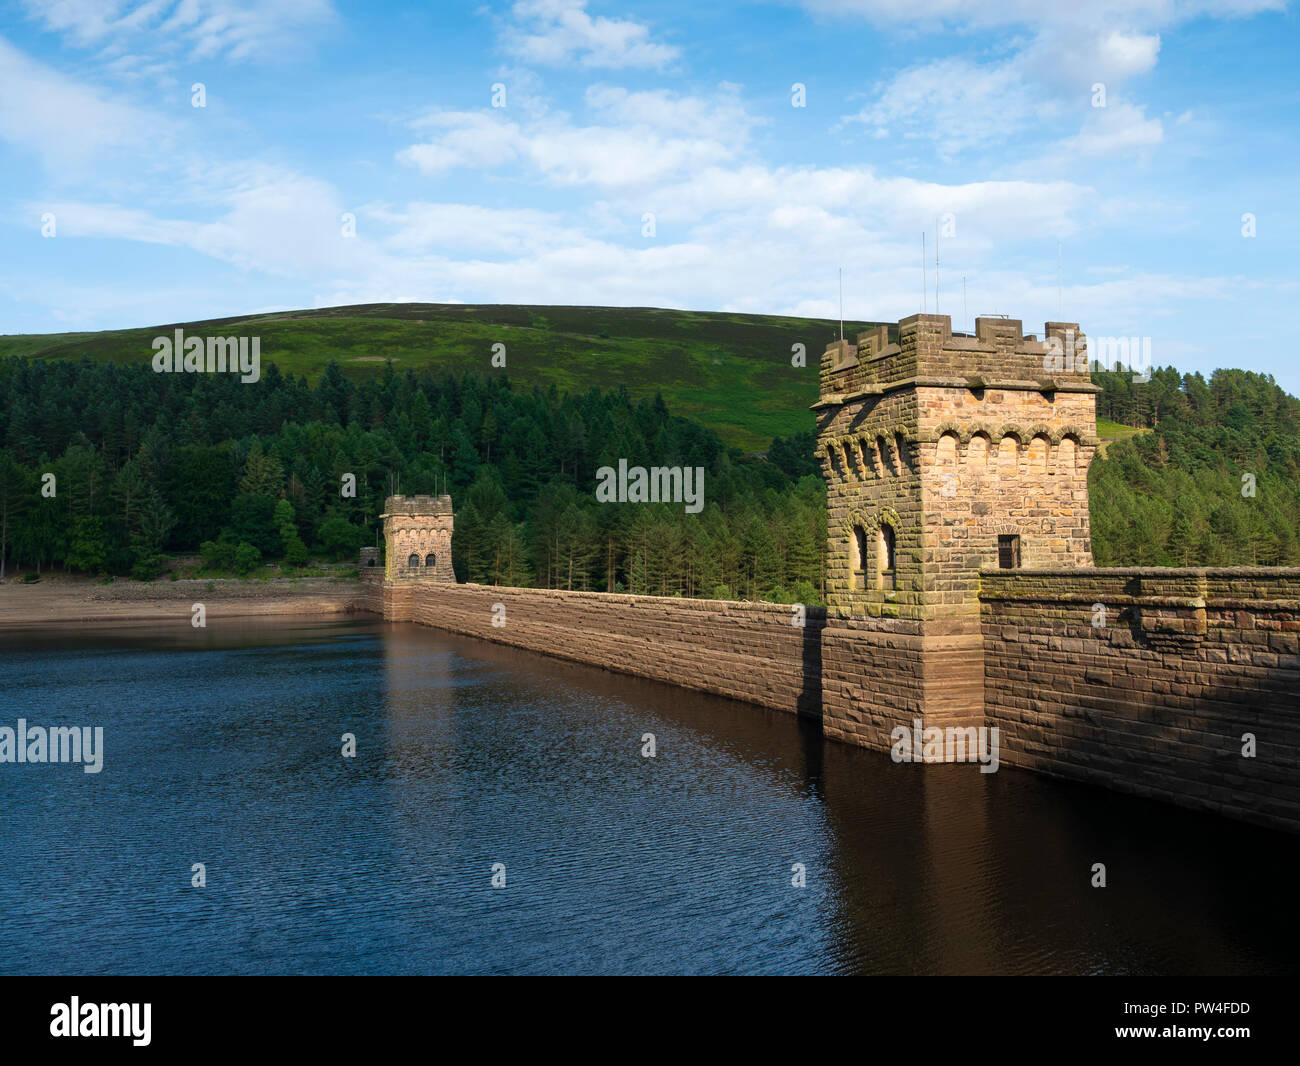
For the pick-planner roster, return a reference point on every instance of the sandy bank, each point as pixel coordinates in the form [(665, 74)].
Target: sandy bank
[(24, 605)]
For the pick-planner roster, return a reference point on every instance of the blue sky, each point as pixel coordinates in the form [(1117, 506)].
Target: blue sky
[(914, 111)]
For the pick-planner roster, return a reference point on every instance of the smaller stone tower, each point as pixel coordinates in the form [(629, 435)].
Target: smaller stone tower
[(417, 538)]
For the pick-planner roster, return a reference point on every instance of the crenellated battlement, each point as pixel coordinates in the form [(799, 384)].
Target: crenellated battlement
[(417, 505), (923, 349)]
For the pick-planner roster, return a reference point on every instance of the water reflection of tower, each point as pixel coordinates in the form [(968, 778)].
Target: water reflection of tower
[(417, 700), (418, 735), (915, 862)]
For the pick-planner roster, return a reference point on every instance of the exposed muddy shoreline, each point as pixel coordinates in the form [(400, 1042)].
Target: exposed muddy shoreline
[(54, 601)]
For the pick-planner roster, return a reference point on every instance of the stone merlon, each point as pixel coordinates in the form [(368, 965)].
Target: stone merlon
[(417, 505), (923, 350)]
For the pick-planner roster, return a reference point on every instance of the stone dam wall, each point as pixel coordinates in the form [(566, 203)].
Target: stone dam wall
[(748, 651), (1154, 700)]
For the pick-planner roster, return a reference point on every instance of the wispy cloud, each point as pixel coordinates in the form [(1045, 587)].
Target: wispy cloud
[(234, 30), (558, 32), (637, 140), (66, 123)]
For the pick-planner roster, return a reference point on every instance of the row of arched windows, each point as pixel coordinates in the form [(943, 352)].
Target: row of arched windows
[(865, 458), (860, 458), (979, 452), (430, 560)]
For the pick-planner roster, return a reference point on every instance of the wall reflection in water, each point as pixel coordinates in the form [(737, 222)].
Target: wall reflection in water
[(224, 746)]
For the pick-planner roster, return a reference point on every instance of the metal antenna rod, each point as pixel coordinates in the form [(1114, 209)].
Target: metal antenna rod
[(1060, 312), (924, 283), (841, 303), (965, 320), (936, 266)]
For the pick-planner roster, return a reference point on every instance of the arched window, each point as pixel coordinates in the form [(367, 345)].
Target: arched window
[(1065, 454), (1038, 454), (866, 450), (858, 562), (850, 468), (414, 560), (882, 450), (977, 452), (1008, 454), (900, 454), (431, 560), (885, 557), (945, 454), (372, 561)]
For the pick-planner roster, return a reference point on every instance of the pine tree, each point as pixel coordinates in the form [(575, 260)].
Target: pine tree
[(17, 488)]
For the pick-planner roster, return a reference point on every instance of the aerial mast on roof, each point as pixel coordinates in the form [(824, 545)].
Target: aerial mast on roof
[(936, 266), (1060, 313)]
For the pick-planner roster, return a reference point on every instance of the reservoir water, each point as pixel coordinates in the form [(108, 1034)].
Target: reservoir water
[(473, 761)]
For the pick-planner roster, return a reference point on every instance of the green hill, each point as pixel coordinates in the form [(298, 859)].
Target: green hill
[(1194, 470), (730, 372)]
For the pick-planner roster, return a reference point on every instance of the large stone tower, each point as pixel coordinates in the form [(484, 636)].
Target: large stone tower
[(417, 538), (943, 454)]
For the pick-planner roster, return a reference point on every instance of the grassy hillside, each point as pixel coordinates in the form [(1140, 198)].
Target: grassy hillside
[(1109, 432), (730, 372), (1194, 471)]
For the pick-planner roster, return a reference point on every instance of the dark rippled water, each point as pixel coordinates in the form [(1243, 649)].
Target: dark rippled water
[(222, 747)]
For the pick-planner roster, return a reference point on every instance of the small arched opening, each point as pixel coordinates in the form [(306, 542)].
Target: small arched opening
[(858, 558), (867, 452), (1065, 454), (885, 560), (1038, 448), (431, 560), (1008, 454), (413, 561)]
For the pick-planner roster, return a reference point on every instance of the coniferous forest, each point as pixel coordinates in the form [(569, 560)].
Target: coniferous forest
[(111, 469), (1215, 481)]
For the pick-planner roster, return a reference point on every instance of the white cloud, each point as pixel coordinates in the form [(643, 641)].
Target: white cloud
[(893, 208), (272, 222), (644, 138), (1035, 14), (202, 29), (466, 139), (559, 32), (722, 117), (616, 157), (1118, 129), (65, 123), (469, 228), (963, 104), (957, 103)]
